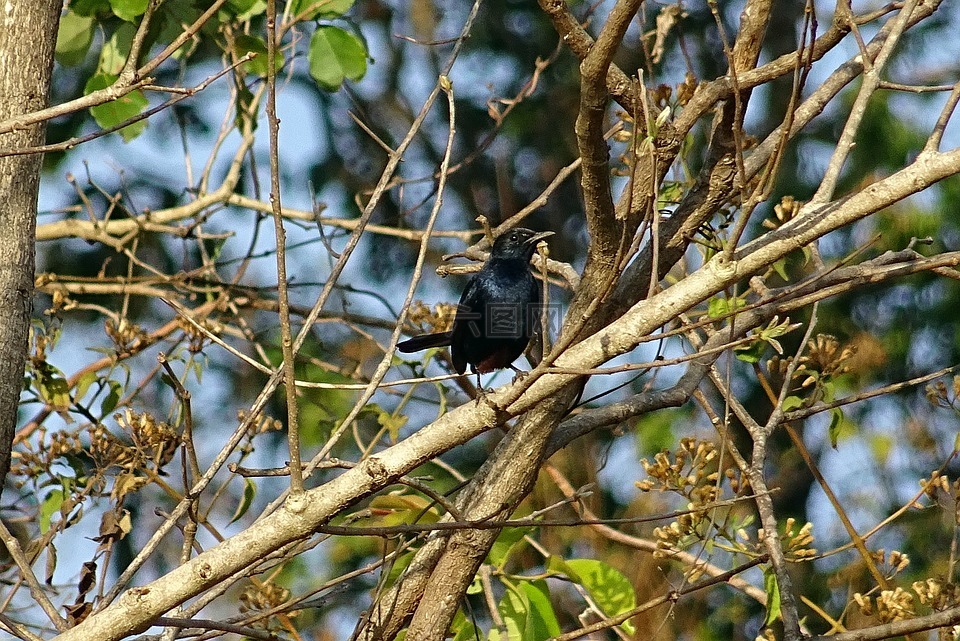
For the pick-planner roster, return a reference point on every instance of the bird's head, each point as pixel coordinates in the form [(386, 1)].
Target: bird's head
[(518, 243)]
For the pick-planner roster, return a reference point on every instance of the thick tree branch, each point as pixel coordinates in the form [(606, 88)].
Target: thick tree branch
[(753, 25), (606, 233), (622, 88), (944, 619), (494, 492)]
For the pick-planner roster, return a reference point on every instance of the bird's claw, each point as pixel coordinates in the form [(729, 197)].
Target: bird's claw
[(481, 393), (518, 374)]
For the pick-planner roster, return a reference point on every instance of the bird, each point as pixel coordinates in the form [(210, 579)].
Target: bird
[(499, 310)]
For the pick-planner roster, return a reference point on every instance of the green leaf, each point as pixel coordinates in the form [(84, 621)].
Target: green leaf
[(403, 502), (171, 17), (77, 465), (106, 351), (397, 568), (50, 506), (249, 493), (109, 402), (655, 431), (73, 38), (882, 445), (513, 608), (335, 56), (670, 193), (116, 111), (321, 8), (781, 268), (129, 9), (611, 591), (83, 384), (719, 306), (392, 423), (829, 390), (115, 50), (773, 596), (463, 628), (244, 44), (542, 622), (53, 388), (510, 538), (56, 393), (89, 7), (245, 100), (791, 403), (466, 631), (197, 367), (527, 613), (751, 353), (397, 509), (442, 395), (167, 380), (558, 565), (246, 9), (476, 586), (836, 422)]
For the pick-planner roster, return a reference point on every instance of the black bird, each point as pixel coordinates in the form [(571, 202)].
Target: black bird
[(499, 310)]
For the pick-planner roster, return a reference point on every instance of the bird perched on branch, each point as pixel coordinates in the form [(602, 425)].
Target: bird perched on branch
[(499, 310)]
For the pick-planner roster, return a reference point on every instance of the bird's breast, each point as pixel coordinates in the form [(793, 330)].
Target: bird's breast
[(506, 281)]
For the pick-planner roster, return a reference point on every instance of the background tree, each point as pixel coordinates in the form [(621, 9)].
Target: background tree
[(241, 205), (27, 42)]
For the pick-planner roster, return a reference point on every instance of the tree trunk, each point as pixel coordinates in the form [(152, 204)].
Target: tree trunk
[(28, 35)]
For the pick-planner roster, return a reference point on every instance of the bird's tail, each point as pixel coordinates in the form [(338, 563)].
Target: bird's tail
[(424, 341)]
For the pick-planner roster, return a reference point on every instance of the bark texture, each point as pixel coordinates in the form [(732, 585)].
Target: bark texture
[(28, 35)]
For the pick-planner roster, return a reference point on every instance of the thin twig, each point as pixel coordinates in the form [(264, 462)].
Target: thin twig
[(933, 142), (183, 94), (16, 629), (286, 338), (123, 86), (871, 80), (755, 474), (26, 571), (646, 545)]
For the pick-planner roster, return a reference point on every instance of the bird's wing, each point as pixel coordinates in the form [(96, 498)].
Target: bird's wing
[(534, 328), (469, 313), (535, 310), (424, 341)]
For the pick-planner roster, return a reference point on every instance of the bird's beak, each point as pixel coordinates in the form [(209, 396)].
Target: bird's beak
[(536, 238)]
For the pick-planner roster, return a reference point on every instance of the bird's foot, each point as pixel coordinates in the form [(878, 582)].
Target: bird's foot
[(518, 374), (481, 393)]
